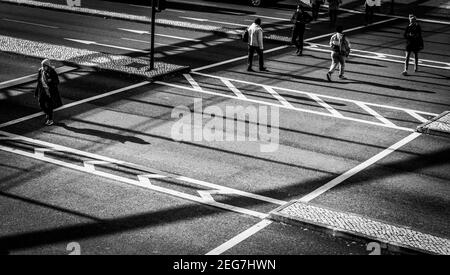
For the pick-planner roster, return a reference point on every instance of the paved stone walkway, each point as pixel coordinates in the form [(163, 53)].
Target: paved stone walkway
[(82, 57), (359, 226), (439, 125)]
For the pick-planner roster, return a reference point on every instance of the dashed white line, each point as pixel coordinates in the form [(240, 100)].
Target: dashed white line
[(213, 21), (30, 23)]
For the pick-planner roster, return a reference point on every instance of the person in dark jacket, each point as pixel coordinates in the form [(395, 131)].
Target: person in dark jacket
[(300, 18), (414, 43), (47, 90), (315, 7)]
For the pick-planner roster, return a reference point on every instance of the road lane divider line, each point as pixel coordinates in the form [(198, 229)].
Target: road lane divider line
[(240, 238), (87, 42), (324, 188), (30, 23), (282, 106), (76, 103), (32, 77), (375, 114), (212, 21), (382, 56)]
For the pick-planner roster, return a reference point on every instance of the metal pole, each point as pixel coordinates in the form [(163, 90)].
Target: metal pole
[(152, 42)]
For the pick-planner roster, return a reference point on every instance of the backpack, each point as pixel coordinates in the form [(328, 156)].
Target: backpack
[(245, 36), (345, 49)]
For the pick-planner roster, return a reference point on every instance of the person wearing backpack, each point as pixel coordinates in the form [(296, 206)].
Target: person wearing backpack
[(414, 43), (300, 18), (340, 50)]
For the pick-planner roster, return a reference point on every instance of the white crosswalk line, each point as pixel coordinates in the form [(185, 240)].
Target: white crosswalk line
[(278, 96), (326, 105), (235, 90), (193, 83), (416, 116), (375, 114)]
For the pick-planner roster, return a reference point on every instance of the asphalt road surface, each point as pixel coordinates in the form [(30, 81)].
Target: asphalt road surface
[(53, 198)]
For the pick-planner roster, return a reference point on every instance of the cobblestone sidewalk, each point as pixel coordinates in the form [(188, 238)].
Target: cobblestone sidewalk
[(81, 57), (359, 226), (439, 125)]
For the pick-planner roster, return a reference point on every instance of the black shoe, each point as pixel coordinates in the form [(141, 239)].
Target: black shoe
[(250, 70), (329, 76), (299, 53), (263, 70)]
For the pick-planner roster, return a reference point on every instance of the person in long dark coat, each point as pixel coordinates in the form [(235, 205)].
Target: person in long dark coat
[(47, 91), (414, 43), (300, 18)]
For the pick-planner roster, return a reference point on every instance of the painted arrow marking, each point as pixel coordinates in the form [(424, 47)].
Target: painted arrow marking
[(87, 42)]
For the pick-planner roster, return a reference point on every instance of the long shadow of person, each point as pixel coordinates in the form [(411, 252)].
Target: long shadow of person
[(102, 134)]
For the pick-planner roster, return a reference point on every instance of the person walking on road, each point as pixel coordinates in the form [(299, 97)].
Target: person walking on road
[(315, 7), (414, 43), (370, 7), (300, 18), (333, 10), (255, 44), (340, 49), (47, 90)]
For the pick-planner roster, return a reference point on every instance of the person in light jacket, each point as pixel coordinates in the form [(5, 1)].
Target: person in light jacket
[(255, 44), (340, 49)]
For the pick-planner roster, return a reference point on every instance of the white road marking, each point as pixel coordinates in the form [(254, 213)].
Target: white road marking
[(375, 114), (87, 42), (319, 96), (358, 168), (269, 17), (281, 99), (284, 47), (147, 7), (213, 21), (382, 56), (232, 191), (239, 238), (30, 23), (32, 77), (417, 116), (22, 119), (89, 167), (162, 35), (282, 106), (193, 83), (325, 105), (235, 90)]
